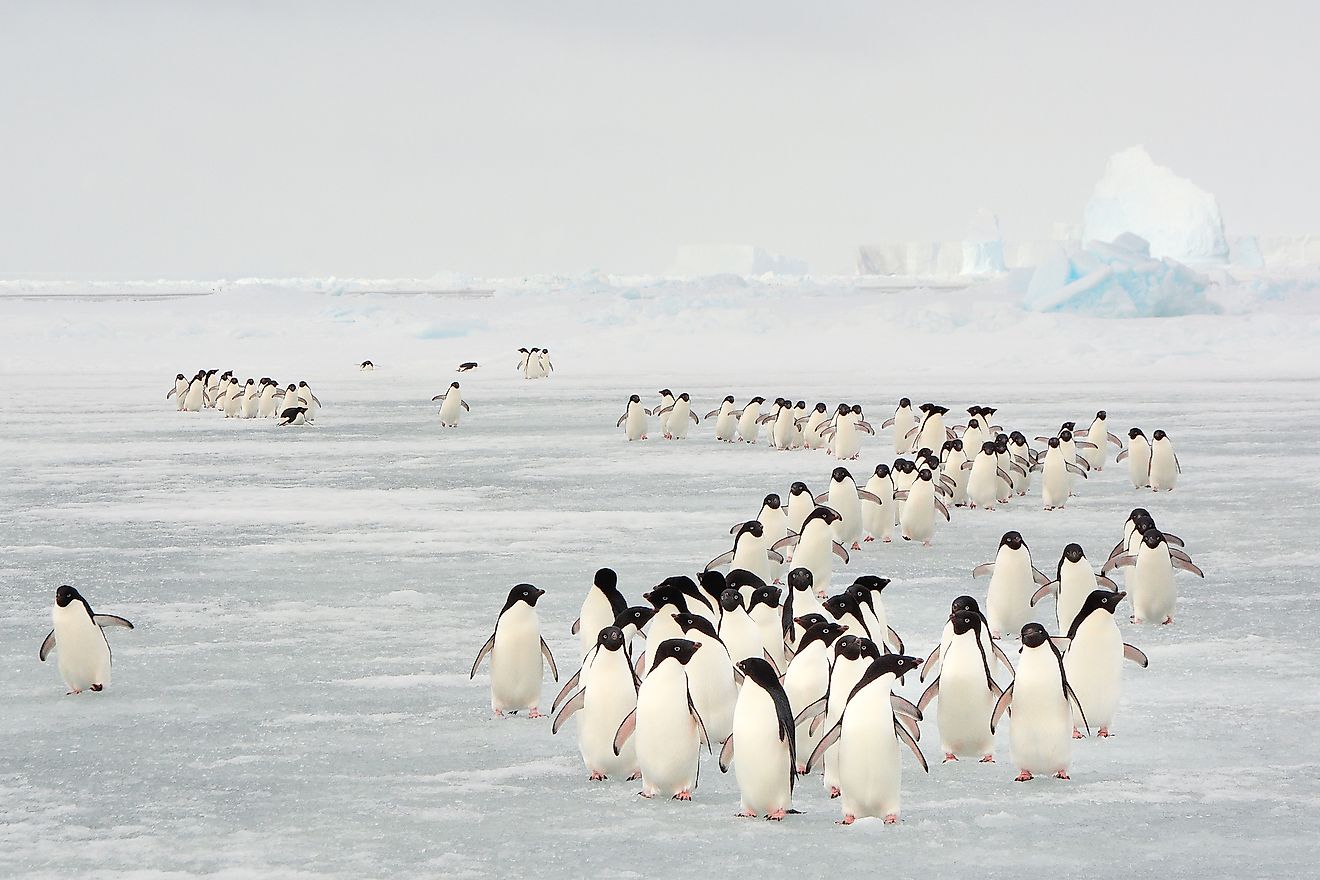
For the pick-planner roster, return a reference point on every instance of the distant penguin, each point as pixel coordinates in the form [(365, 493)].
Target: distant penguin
[(1094, 658), (1013, 580), (195, 397), (678, 414), (523, 358), (902, 421), (845, 498), (784, 431), (867, 751), (452, 407), (932, 433), (635, 417), (84, 660), (813, 546), (1074, 580), (602, 606), (878, 517), (726, 420), (953, 456), (1164, 465), (751, 552), (1138, 455), (1042, 702), (846, 441), (800, 505), (984, 477), (871, 603), (710, 677), (293, 415), (266, 406), (608, 694), (179, 391), (310, 400), (366, 365), (251, 400), (534, 368), (921, 504), (967, 692), (1056, 475), (633, 622), (748, 420), (811, 428), (664, 411), (1099, 437), (1024, 457), (1152, 592), (762, 747), (544, 366), (808, 679), (516, 650), (665, 726)]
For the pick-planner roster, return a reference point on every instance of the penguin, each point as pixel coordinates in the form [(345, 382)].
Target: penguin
[(179, 391), (811, 428), (868, 736), (516, 649), (813, 546), (847, 435), (452, 407), (713, 584), (1138, 455), (544, 366), (1094, 658), (1006, 466), (1164, 465), (1153, 594), (764, 610), (1074, 580), (293, 415), (266, 406), (309, 399), (668, 599), (973, 435), (845, 498), (878, 517), (1022, 455), (1042, 701), (607, 695), (902, 421), (800, 505), (668, 730), (664, 411), (726, 420), (1099, 437), (633, 622), (195, 397), (751, 552), (802, 588), (532, 368), (251, 400), (774, 527), (710, 677), (800, 419), (231, 398), (635, 415), (601, 608), (868, 589), (808, 677), (931, 433), (366, 365), (466, 366), (524, 357), (958, 606), (765, 764), (1056, 475), (845, 609), (852, 655), (984, 477), (79, 635), (967, 693), (739, 633), (953, 456), (921, 504), (1013, 580), (784, 432), (677, 414)]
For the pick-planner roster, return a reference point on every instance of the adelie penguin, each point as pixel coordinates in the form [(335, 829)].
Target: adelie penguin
[(1094, 659), (466, 366), (453, 405), (765, 759), (602, 606), (1043, 702), (606, 695), (846, 499), (674, 417), (79, 637), (1164, 465), (633, 420), (1154, 596), (1138, 455), (516, 650), (902, 421), (808, 678), (1013, 579), (726, 420), (366, 365), (1073, 581), (967, 692)]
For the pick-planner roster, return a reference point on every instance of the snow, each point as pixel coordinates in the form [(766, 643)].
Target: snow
[(294, 701), (1178, 218)]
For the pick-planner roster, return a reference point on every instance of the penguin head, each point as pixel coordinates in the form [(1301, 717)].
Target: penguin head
[(1065, 435), (966, 620), (973, 411), (741, 577), (903, 466), (843, 409), (882, 471), (924, 474), (1012, 540), (857, 409), (767, 595), (728, 398), (848, 647), (178, 377), (666, 594), (1001, 444), (523, 350), (1101, 599), (771, 501), (712, 582), (798, 489), (872, 583), (861, 595), (685, 396), (523, 593), (904, 403), (681, 650), (688, 622), (233, 380), (304, 384), (1018, 438), (752, 527), (1138, 513), (1134, 433), (801, 404), (820, 407), (988, 411), (973, 423), (759, 670), (756, 400), (1152, 537), (453, 384), (841, 604), (1034, 635), (1054, 443), (610, 638), (535, 350), (801, 579), (839, 474), (828, 515), (1068, 426), (633, 398), (250, 382), (637, 616), (964, 603), (731, 600), (807, 621), (1158, 435), (988, 447), (825, 631), (897, 665), (66, 594), (1102, 415), (1073, 553), (868, 648), (606, 579)]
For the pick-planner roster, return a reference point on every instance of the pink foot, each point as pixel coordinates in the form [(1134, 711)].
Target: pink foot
[(1062, 775), (834, 792), (801, 769), (1024, 776), (891, 819), (1104, 731), (646, 794), (949, 756), (1135, 619), (848, 819), (868, 539), (745, 814), (597, 776), (856, 546), (683, 795), (887, 540), (73, 693), (499, 713), (1077, 734), (777, 816), (535, 713), (987, 759), (925, 543), (635, 775), (1167, 621)]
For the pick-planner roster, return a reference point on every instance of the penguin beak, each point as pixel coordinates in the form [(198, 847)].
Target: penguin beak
[(1120, 595), (696, 645)]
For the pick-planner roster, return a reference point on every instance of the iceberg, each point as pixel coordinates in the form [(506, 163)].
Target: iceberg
[(700, 260)]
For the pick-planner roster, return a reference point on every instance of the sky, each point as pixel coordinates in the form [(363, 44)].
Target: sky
[(374, 139)]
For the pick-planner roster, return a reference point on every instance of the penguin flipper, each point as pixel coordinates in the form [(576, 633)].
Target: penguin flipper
[(1170, 538), (621, 420), (662, 411), (822, 498), (549, 658), (895, 639), (439, 397), (868, 496), (1122, 455), (1084, 444), (1042, 593), (910, 724), (1176, 463), (1121, 561), (464, 404), (712, 413), (983, 568), (904, 706), (1101, 579), (930, 663), (1136, 655), (929, 694), (171, 394), (901, 495), (1072, 695), (823, 746), (1003, 658), (842, 552), (865, 427), (1018, 468), (902, 733), (1003, 476), (47, 645), (887, 423), (811, 710), (939, 505), (787, 541), (1005, 700), (578, 701), (722, 559), (1114, 440), (765, 652), (110, 620), (967, 465), (568, 689), (726, 755), (1039, 576), (626, 729), (485, 649), (693, 416), (577, 626), (1187, 565)]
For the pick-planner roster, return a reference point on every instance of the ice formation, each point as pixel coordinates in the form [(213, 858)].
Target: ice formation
[(696, 260), (983, 247)]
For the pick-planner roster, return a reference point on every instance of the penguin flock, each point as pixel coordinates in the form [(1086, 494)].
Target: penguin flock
[(295, 404), (535, 363)]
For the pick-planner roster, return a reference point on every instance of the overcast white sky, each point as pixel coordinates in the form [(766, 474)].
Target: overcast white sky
[(201, 140)]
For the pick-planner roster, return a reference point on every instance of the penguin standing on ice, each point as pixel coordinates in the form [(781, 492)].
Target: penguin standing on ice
[(1057, 473), (668, 730), (633, 420), (878, 517), (516, 650), (1094, 659), (78, 635), (902, 421), (195, 397), (1073, 582), (710, 677), (602, 606), (739, 633), (178, 392), (814, 544), (1042, 701), (1099, 437), (921, 503), (664, 410), (726, 420), (453, 406), (1154, 596), (1164, 466), (967, 692), (1013, 580), (844, 497), (676, 415), (749, 425), (765, 763), (603, 704), (808, 678), (1138, 455)]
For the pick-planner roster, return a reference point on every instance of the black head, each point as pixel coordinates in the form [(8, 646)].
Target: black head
[(728, 398), (807, 621), (66, 594), (798, 489), (973, 423), (973, 411), (820, 407), (924, 474), (841, 604), (666, 594), (1139, 513), (741, 577), (826, 515), (1012, 540), (757, 400), (1159, 435), (868, 648), (1134, 433), (966, 620), (1152, 537), (873, 583), (759, 670), (839, 474), (964, 603), (684, 396), (1069, 426), (523, 593), (690, 622), (843, 409), (1001, 444), (988, 447), (904, 403), (898, 665), (610, 638), (857, 409), (848, 647), (606, 579), (771, 501), (825, 631), (1102, 415), (633, 398), (903, 466), (638, 616), (180, 376), (1034, 635), (1054, 443), (681, 650), (768, 596), (801, 579), (861, 595), (1018, 438), (731, 600), (665, 392), (801, 404), (1065, 435), (712, 582), (1101, 599), (752, 527), (882, 471), (1073, 553)]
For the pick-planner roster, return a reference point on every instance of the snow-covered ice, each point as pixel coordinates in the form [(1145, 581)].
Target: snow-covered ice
[(294, 701)]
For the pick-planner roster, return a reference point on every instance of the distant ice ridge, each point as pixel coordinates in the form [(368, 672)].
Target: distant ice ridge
[(747, 260), (1179, 219), (1117, 280)]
